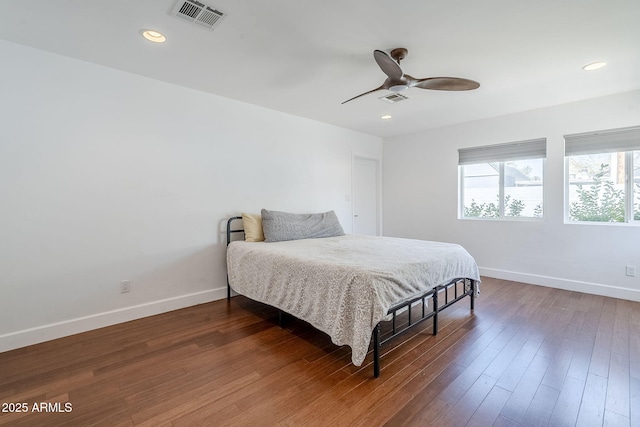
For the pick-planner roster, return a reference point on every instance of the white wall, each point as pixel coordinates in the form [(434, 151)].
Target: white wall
[(107, 176), (421, 198)]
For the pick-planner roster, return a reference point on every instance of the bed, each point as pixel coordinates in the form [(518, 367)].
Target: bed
[(346, 285)]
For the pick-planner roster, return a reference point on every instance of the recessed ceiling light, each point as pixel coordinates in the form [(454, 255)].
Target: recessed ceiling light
[(385, 117), (594, 66), (154, 36)]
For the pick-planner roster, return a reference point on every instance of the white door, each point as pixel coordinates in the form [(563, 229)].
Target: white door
[(365, 196)]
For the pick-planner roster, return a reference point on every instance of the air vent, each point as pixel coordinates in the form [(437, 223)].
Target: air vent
[(394, 97), (198, 13)]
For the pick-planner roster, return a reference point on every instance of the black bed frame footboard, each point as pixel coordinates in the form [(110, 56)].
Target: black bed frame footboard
[(450, 293)]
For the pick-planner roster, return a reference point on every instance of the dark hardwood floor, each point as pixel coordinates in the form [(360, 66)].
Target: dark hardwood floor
[(527, 356)]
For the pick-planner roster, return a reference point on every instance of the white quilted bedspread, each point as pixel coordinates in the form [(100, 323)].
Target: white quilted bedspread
[(344, 285)]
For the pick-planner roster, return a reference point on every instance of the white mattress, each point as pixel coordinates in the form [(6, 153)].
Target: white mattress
[(344, 285)]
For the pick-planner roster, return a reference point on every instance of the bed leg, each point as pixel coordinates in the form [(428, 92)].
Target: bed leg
[(280, 318), (435, 312), (376, 351), (473, 293)]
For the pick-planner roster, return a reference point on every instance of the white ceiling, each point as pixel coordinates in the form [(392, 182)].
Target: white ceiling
[(306, 57)]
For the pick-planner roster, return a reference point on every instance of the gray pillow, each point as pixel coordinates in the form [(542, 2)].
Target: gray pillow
[(279, 226)]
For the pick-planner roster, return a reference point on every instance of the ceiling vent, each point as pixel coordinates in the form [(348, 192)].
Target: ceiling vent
[(394, 97), (198, 13)]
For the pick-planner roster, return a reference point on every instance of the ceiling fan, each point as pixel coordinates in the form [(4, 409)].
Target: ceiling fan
[(397, 81)]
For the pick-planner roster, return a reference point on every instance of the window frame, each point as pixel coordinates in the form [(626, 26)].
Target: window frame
[(501, 154), (621, 140), (629, 194)]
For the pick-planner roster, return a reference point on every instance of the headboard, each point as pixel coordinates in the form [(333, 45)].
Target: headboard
[(233, 230)]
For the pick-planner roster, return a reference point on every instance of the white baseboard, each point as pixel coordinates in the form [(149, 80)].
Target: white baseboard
[(568, 285), (53, 331)]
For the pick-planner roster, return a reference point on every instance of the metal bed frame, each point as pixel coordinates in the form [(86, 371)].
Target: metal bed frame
[(460, 288)]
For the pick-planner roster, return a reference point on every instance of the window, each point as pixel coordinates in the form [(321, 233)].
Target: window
[(603, 176), (503, 180)]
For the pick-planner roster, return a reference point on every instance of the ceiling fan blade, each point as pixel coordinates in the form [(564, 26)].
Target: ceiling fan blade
[(388, 66), (366, 93), (444, 83)]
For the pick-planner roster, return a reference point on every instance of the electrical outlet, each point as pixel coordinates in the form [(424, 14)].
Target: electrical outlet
[(125, 286), (631, 270)]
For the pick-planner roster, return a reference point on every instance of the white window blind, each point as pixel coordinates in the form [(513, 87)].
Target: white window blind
[(530, 149), (606, 141)]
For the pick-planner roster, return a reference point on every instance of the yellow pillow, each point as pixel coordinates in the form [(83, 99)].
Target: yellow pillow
[(252, 228)]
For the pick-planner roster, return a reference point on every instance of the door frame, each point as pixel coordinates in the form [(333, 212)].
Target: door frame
[(378, 163)]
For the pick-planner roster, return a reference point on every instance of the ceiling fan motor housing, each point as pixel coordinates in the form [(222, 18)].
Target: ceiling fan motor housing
[(399, 54)]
